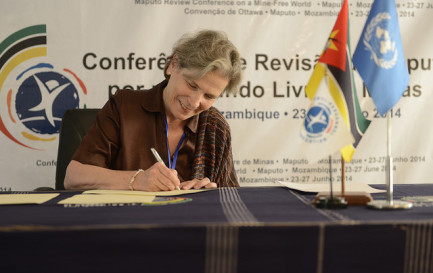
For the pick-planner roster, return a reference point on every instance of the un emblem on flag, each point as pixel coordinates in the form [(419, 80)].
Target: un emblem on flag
[(381, 42)]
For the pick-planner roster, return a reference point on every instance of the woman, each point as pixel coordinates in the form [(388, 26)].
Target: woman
[(176, 117)]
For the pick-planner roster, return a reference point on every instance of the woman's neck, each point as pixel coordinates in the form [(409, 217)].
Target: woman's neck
[(174, 123)]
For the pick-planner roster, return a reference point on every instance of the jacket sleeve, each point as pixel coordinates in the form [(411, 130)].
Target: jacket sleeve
[(100, 145)]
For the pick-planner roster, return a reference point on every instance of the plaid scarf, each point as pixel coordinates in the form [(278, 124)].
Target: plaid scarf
[(213, 152)]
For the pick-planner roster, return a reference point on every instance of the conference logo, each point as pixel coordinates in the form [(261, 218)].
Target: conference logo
[(380, 42), (34, 92), (320, 121)]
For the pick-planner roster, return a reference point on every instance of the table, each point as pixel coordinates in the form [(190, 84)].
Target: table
[(266, 229)]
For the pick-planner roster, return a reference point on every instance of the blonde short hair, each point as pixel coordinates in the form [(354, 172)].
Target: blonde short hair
[(206, 51)]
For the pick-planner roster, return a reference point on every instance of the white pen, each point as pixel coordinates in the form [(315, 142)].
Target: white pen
[(159, 159)]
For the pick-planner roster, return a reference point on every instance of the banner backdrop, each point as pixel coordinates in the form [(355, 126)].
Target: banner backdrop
[(56, 55)]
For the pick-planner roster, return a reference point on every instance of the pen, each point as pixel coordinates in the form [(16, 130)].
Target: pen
[(159, 159)]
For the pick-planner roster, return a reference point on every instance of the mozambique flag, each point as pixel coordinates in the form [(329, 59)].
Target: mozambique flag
[(335, 120)]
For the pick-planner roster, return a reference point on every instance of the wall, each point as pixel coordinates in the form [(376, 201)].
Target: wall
[(279, 41)]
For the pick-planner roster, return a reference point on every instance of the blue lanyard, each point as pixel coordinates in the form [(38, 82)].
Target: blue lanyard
[(172, 165)]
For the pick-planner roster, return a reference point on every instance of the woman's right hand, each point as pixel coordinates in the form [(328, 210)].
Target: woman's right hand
[(157, 178)]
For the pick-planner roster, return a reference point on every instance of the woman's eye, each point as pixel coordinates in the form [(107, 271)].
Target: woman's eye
[(192, 86)]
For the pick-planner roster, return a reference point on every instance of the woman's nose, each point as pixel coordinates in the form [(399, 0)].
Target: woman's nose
[(195, 100)]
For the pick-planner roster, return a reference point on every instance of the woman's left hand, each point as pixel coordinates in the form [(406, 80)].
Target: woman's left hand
[(198, 184)]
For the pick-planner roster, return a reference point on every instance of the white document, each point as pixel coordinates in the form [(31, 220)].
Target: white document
[(145, 193), (107, 199), (325, 187), (31, 198)]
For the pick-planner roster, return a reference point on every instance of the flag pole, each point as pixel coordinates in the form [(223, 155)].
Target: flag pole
[(343, 177), (353, 198), (389, 203), (330, 176), (389, 165), (331, 201)]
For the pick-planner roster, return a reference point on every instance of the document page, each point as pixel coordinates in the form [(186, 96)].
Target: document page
[(144, 193), (325, 187), (107, 199), (29, 198)]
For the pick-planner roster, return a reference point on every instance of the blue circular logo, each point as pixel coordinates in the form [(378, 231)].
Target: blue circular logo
[(42, 99), (317, 120)]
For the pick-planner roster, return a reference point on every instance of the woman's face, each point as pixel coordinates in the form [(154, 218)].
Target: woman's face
[(185, 97)]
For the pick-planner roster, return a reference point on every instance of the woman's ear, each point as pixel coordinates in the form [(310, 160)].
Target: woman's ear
[(174, 62)]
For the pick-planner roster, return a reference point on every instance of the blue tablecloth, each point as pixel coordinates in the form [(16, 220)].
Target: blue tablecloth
[(267, 229)]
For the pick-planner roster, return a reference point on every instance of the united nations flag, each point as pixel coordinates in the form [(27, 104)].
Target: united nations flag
[(379, 56)]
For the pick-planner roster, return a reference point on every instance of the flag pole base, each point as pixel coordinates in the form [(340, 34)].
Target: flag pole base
[(387, 205), (355, 198), (331, 202)]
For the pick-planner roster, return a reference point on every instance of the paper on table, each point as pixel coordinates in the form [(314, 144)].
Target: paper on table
[(28, 198), (107, 199), (324, 187), (144, 193)]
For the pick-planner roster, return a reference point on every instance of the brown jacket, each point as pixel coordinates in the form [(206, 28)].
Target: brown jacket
[(132, 122)]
